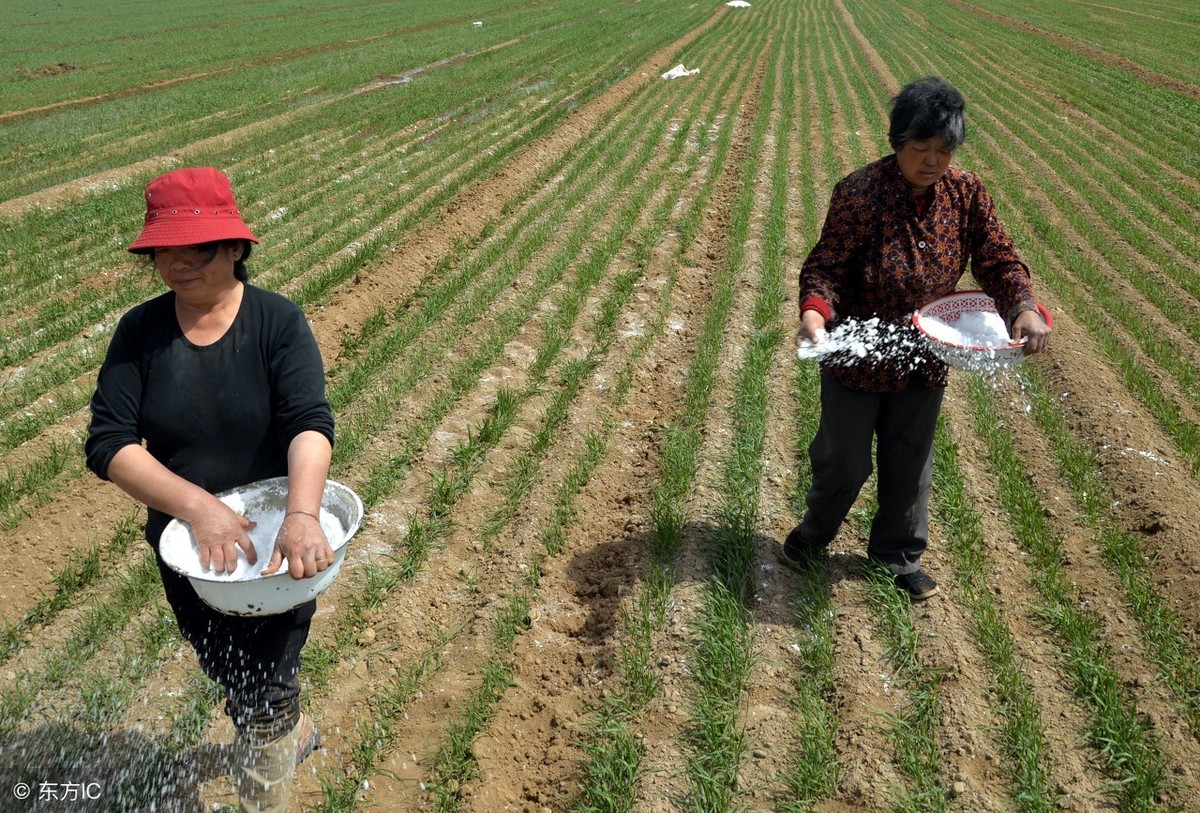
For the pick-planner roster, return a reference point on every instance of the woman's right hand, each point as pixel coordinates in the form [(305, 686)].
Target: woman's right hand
[(812, 329), (219, 533)]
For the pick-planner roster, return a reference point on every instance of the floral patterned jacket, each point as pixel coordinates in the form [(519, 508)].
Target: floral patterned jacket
[(880, 256)]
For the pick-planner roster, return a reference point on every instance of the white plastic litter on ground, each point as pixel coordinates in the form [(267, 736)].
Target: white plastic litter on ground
[(738, 4), (678, 71)]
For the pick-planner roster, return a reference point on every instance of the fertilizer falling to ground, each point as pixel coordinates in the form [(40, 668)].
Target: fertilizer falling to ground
[(54, 765)]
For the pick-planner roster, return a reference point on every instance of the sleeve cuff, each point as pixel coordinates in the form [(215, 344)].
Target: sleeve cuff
[(1017, 309), (815, 303)]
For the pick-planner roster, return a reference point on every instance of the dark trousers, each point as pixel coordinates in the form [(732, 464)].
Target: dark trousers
[(903, 424), (256, 659)]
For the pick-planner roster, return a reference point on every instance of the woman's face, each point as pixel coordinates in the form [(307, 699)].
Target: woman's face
[(198, 274), (924, 162)]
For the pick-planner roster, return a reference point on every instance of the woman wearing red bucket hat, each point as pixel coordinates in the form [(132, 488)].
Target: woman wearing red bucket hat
[(224, 383)]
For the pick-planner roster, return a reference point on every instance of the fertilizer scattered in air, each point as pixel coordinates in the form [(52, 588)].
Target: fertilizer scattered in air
[(903, 348), (856, 339)]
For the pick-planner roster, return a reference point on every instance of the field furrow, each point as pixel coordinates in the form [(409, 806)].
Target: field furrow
[(555, 297)]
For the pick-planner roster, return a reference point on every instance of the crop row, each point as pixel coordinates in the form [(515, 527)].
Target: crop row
[(788, 100)]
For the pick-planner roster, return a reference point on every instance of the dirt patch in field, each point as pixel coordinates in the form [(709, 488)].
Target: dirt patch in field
[(49, 70), (563, 665)]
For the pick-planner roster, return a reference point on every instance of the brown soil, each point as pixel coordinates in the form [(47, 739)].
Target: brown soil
[(564, 664)]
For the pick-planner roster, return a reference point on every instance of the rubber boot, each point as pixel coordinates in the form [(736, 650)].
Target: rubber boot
[(265, 771)]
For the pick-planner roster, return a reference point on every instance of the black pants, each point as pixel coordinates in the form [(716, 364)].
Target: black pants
[(256, 659), (903, 424)]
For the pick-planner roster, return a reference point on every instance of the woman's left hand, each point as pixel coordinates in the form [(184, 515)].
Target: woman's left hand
[(1030, 326), (303, 542)]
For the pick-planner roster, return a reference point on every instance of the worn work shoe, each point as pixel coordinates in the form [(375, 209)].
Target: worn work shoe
[(308, 737), (919, 585), (781, 553), (265, 771), (796, 552), (796, 548)]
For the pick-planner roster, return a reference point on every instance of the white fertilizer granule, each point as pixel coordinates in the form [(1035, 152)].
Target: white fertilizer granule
[(856, 339), (972, 329)]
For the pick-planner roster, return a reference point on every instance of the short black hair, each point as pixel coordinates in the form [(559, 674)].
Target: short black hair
[(927, 108), (240, 272)]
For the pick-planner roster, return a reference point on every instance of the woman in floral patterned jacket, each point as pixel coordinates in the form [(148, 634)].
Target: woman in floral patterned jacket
[(899, 233)]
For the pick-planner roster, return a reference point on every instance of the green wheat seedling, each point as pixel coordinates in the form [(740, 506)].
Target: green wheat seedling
[(464, 375), (912, 730), (468, 456), (463, 315), (521, 479), (264, 90), (23, 491), (1138, 379), (722, 656), (455, 763), (1122, 740), (613, 751), (614, 757), (372, 59), (55, 399), (105, 698), (1177, 661), (96, 626), (612, 747), (1110, 94), (721, 661), (464, 460), (189, 719), (611, 770), (315, 287), (1022, 732), (341, 788), (735, 556), (1096, 310), (76, 576), (814, 772)]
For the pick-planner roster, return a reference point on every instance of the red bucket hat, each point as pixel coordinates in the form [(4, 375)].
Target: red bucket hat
[(187, 207)]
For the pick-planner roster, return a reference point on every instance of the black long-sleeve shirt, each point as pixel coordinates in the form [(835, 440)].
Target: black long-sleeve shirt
[(221, 415)]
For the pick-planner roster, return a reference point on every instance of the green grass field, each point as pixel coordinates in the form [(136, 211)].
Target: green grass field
[(556, 296)]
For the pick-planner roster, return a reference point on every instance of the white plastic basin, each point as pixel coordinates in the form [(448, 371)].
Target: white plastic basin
[(246, 591), (964, 330)]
